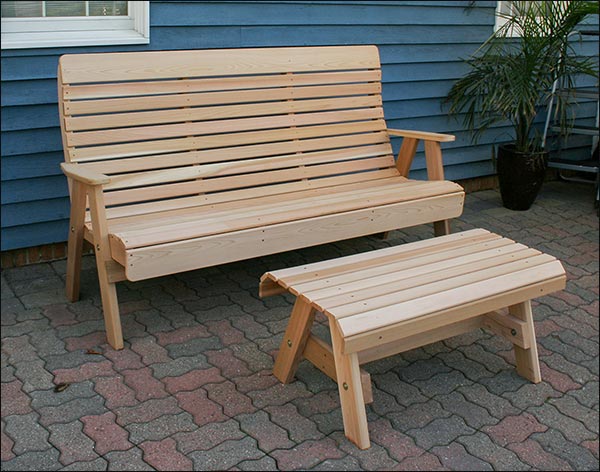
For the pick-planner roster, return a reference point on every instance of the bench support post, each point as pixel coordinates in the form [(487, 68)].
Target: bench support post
[(75, 244), (351, 393), (294, 341), (528, 365), (108, 289), (435, 171)]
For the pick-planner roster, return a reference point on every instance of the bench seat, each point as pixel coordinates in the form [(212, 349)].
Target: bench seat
[(179, 160), (384, 302)]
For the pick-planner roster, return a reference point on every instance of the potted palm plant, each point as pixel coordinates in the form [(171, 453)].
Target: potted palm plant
[(510, 80)]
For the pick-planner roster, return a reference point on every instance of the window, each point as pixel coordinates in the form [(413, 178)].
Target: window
[(509, 8), (43, 24)]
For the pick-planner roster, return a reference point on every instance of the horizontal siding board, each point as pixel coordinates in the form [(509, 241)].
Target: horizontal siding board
[(299, 14), (31, 165), (36, 234), (421, 43), (29, 190), (39, 211)]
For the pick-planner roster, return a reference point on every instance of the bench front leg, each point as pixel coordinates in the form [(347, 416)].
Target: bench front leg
[(351, 393), (75, 242), (435, 171), (528, 364), (294, 341), (108, 290)]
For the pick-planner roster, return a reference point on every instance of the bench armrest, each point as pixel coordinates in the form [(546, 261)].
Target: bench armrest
[(424, 135), (83, 175)]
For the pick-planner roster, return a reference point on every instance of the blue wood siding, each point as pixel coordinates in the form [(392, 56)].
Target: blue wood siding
[(421, 44)]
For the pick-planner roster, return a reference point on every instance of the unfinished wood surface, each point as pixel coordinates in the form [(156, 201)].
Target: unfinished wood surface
[(198, 158), (528, 364), (350, 390), (75, 242), (294, 341)]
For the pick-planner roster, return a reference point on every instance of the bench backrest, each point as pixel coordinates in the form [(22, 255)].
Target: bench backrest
[(225, 123)]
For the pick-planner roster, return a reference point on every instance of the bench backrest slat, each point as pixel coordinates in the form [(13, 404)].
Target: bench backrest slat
[(172, 124)]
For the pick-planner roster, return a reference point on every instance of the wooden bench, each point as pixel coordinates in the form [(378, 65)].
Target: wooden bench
[(179, 160), (391, 300)]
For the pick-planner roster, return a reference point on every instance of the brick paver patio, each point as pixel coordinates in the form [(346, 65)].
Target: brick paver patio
[(192, 390)]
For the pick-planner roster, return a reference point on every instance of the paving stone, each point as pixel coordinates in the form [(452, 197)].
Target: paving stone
[(160, 428), (192, 380), (72, 410), (298, 427), (514, 429), (27, 433), (266, 463), (147, 411), (422, 370), (144, 384), (503, 382), (315, 380), (279, 394), (417, 415), (124, 359), (572, 429), (99, 464), (533, 454), (107, 435), (531, 395), (569, 406), (559, 381), (14, 400), (440, 432), (90, 370), (425, 462), (593, 447), (481, 446), (442, 383), (24, 327), (43, 398), (471, 369), (163, 455), (116, 393), (307, 455), (398, 445), (34, 460), (405, 393), (579, 458), (455, 457), (587, 395), (203, 409), (383, 404), (74, 446), (131, 459), (492, 362), (226, 455), (28, 272), (330, 422), (225, 360), (226, 332), (19, 349), (268, 434), (251, 329), (474, 415), (182, 335), (12, 306), (260, 380), (47, 343), (179, 366), (347, 463), (252, 356), (149, 350), (232, 401), (208, 436), (83, 328)]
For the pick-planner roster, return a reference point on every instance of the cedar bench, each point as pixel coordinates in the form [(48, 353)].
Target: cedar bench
[(178, 160), (391, 300)]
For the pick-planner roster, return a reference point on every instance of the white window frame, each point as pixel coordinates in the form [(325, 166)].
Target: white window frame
[(49, 32), (499, 22)]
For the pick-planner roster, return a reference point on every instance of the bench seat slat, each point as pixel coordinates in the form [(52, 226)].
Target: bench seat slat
[(437, 283), (313, 187), (215, 141), (294, 275), (370, 321), (285, 211), (397, 263), (388, 283)]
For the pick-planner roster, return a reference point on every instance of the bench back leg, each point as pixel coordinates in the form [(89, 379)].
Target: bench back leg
[(294, 341), (351, 392), (528, 365), (75, 244)]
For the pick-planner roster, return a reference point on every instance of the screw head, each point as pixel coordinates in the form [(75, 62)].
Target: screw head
[(345, 385), (513, 332), (289, 343)]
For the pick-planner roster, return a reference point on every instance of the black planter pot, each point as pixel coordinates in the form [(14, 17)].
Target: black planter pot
[(520, 175)]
